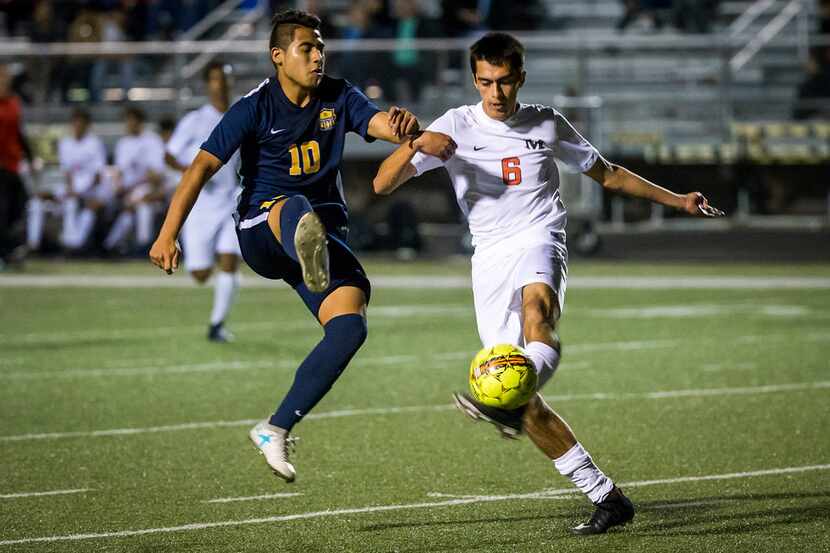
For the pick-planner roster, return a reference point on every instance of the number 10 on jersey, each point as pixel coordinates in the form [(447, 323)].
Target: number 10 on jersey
[(310, 158)]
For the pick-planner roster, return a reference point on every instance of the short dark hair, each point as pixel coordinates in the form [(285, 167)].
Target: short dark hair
[(286, 22), (82, 114), (213, 66), (167, 123), (498, 49), (133, 111)]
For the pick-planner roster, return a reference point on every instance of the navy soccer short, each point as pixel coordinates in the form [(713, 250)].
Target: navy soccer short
[(265, 255)]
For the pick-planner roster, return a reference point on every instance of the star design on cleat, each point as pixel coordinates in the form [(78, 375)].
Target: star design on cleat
[(264, 439)]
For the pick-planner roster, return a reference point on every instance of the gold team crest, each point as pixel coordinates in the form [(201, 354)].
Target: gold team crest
[(327, 119)]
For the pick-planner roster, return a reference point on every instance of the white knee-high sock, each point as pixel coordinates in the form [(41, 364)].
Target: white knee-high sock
[(224, 294), (546, 360), (144, 224), (69, 229), (83, 228), (576, 464), (119, 230), (36, 212)]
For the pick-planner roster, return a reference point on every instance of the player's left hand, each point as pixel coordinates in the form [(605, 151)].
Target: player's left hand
[(696, 204), (402, 122), (165, 254)]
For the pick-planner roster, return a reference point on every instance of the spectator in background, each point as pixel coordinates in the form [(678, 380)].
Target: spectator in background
[(411, 70), (139, 158), (462, 17), (82, 157), (77, 70), (814, 93), (46, 27), (17, 14), (695, 16), (113, 25), (13, 149), (652, 10)]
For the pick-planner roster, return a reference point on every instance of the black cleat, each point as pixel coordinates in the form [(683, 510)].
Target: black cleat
[(219, 334), (509, 422), (615, 510)]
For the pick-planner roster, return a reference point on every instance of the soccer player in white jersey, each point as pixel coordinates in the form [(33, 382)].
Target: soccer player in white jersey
[(82, 156), (208, 235), (139, 158), (500, 157)]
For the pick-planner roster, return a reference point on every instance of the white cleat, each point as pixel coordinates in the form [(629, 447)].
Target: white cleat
[(311, 244), (273, 442)]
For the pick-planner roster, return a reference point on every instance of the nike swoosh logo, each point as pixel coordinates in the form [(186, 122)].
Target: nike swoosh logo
[(477, 148), (277, 131)]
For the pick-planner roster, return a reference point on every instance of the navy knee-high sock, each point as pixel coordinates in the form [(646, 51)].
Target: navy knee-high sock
[(292, 209), (314, 378)]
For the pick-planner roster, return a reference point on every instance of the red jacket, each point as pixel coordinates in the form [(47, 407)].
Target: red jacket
[(11, 147)]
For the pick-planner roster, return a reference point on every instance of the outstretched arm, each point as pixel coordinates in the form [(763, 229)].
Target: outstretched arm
[(619, 179), (165, 253), (397, 169), (395, 125)]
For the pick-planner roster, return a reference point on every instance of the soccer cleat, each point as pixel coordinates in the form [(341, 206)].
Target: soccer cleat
[(615, 510), (273, 443), (310, 243), (509, 422), (219, 334)]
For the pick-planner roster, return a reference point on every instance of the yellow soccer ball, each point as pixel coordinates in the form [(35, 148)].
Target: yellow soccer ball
[(502, 376)]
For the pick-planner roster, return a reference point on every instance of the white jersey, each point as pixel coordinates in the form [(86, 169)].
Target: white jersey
[(82, 160), (191, 132), (136, 156), (504, 174)]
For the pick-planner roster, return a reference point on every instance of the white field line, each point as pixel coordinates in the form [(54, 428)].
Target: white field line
[(387, 508), (252, 498), (382, 315), (380, 411), (429, 282), (40, 494), (222, 366)]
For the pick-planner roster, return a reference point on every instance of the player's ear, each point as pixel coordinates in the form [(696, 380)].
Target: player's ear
[(276, 56), (522, 79)]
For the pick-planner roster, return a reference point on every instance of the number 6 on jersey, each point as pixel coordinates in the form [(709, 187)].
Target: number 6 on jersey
[(511, 173)]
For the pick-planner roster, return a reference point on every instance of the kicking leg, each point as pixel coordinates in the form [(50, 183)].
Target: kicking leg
[(303, 237), (549, 432), (342, 315)]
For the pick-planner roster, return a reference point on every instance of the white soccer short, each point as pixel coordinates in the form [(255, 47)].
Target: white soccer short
[(500, 273), (206, 233)]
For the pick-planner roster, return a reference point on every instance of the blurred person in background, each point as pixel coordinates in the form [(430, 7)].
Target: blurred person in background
[(139, 160), (813, 100), (77, 70), (82, 158), (44, 71), (113, 29), (653, 11), (13, 149), (209, 235), (412, 67)]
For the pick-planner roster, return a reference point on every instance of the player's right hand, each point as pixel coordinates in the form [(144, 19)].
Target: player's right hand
[(165, 254), (435, 144)]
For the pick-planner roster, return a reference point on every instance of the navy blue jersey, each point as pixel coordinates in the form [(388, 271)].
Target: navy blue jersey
[(287, 149)]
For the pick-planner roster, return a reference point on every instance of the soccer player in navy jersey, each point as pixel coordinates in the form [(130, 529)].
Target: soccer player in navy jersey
[(292, 217)]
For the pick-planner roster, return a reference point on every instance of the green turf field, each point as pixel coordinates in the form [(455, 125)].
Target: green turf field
[(710, 406)]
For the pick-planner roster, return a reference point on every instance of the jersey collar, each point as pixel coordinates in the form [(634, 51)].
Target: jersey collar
[(488, 121)]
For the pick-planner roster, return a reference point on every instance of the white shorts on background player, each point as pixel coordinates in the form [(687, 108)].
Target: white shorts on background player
[(506, 182), (209, 229), (84, 161)]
